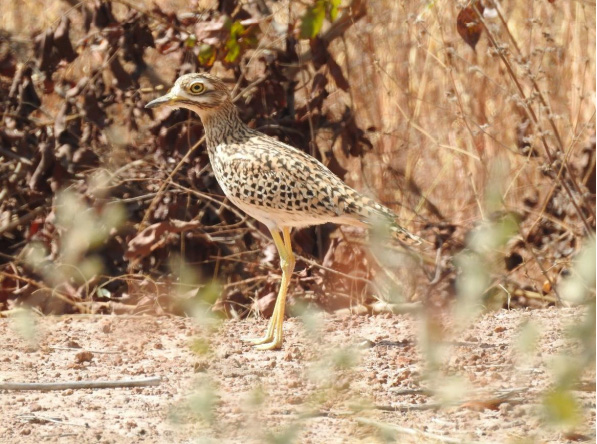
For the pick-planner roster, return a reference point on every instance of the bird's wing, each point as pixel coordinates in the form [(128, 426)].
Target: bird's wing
[(280, 177)]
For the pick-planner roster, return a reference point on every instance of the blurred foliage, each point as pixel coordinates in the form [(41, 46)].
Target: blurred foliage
[(312, 20)]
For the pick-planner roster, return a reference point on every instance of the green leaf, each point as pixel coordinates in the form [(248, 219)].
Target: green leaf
[(233, 50), (333, 5), (312, 21), (191, 41), (236, 29), (232, 44), (207, 55)]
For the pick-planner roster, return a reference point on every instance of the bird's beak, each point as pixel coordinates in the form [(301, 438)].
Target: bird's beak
[(163, 100)]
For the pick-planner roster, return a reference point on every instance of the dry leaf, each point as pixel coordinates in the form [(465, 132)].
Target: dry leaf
[(469, 25)]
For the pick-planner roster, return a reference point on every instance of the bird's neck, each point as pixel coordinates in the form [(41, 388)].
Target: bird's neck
[(222, 125)]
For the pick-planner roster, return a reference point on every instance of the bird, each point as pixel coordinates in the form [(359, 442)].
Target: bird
[(275, 183)]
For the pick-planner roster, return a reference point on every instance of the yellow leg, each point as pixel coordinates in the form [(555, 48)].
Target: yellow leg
[(273, 335)]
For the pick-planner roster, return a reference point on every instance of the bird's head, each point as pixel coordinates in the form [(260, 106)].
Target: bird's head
[(199, 92)]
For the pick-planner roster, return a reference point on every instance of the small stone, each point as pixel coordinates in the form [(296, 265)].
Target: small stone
[(505, 407), (292, 354), (222, 353), (365, 343), (295, 400), (293, 383), (84, 356), (200, 366)]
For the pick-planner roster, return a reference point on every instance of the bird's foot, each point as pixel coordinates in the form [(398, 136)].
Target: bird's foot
[(270, 341), (273, 344), (258, 341)]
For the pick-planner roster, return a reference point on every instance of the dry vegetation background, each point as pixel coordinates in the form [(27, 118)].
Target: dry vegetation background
[(488, 153), (478, 131)]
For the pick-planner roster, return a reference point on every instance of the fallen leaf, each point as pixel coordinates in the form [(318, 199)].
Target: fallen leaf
[(150, 238), (468, 24)]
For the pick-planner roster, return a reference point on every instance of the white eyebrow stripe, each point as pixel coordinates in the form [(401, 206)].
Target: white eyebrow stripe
[(175, 90)]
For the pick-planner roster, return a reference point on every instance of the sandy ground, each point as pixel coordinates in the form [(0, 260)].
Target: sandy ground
[(338, 379)]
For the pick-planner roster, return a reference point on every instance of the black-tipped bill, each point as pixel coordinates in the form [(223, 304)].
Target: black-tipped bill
[(164, 100)]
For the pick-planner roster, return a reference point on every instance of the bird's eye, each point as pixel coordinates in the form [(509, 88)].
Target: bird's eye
[(197, 88)]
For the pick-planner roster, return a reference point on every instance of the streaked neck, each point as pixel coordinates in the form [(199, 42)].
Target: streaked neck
[(222, 125)]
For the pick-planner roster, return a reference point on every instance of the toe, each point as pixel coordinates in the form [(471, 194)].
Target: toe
[(273, 344), (257, 341)]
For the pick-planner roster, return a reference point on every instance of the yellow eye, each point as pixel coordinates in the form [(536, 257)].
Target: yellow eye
[(197, 88)]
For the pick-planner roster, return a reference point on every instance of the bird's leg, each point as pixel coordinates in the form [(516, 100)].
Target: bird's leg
[(273, 335)]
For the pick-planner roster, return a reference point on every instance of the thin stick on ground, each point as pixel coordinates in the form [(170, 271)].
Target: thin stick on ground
[(31, 417), (77, 385), (410, 431), (78, 349)]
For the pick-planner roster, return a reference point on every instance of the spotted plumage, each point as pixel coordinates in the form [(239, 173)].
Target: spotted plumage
[(273, 182)]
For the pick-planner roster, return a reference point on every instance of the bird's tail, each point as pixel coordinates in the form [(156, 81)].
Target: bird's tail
[(371, 213), (403, 235)]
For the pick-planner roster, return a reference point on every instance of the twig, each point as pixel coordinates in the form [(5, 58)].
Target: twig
[(544, 103), (533, 294), (245, 282), (143, 224), (34, 417), (53, 291), (410, 431), (406, 307), (15, 156), (439, 405), (479, 399), (531, 113), (31, 214), (418, 391), (413, 407), (106, 352), (487, 366), (339, 273), (219, 201), (584, 386), (45, 386)]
